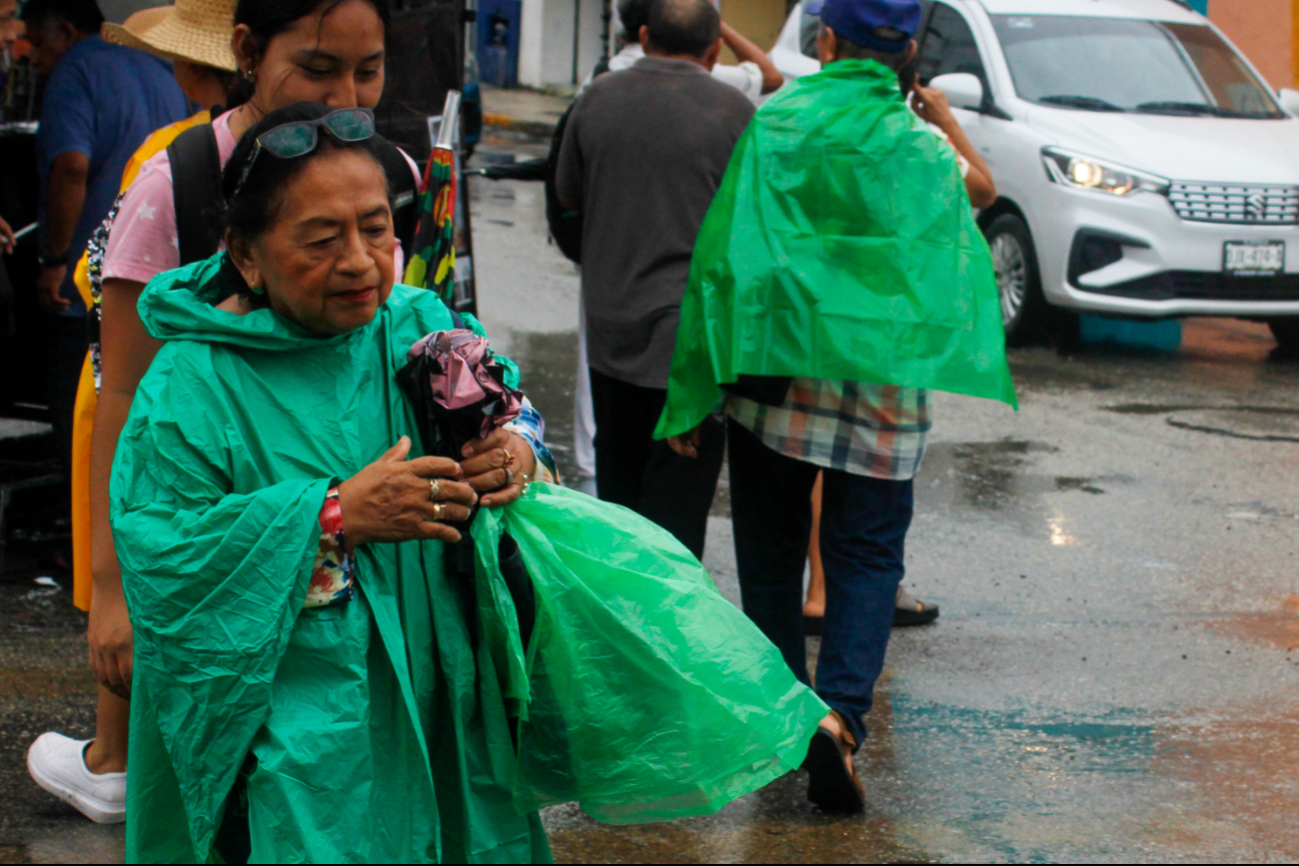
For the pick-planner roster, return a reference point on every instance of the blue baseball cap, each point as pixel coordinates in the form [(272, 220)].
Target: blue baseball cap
[(860, 20)]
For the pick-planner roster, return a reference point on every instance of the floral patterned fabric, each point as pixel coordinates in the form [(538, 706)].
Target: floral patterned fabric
[(331, 576)]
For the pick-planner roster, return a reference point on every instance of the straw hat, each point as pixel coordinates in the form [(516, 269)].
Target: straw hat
[(195, 30)]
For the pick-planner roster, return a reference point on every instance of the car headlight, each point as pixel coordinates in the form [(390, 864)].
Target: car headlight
[(1084, 172)]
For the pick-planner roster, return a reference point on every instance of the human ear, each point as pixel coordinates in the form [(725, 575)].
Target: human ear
[(244, 46), (643, 36), (67, 34), (911, 52), (712, 54), (827, 45), (241, 254)]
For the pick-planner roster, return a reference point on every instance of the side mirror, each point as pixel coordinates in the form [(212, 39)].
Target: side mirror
[(1289, 100), (963, 89)]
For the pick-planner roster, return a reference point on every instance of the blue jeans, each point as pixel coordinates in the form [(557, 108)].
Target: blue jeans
[(864, 523)]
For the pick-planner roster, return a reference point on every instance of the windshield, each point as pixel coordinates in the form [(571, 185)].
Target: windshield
[(1119, 64)]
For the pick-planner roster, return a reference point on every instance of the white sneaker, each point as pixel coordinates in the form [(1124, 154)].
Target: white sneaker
[(58, 764)]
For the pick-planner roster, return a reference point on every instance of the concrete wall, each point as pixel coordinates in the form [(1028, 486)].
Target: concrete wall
[(1264, 31), (546, 41)]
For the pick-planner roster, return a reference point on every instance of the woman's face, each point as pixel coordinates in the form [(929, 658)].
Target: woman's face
[(326, 262), (333, 56)]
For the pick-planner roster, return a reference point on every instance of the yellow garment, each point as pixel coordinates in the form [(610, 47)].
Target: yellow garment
[(83, 418)]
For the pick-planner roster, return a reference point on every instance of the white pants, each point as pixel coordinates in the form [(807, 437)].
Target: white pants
[(583, 410)]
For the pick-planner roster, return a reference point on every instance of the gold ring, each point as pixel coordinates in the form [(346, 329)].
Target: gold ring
[(509, 458), (437, 510), (434, 488)]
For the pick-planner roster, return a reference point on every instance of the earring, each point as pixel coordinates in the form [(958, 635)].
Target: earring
[(248, 75), (257, 290)]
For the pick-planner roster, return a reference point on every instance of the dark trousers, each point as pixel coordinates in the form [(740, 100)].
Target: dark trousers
[(67, 354), (648, 477), (864, 523)]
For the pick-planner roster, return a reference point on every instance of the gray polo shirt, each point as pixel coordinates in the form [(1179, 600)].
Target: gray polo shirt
[(643, 153)]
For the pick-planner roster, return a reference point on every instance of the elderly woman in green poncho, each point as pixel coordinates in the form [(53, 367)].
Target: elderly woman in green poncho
[(313, 683)]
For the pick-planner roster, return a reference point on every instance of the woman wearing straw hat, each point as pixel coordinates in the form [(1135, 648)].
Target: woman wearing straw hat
[(195, 36)]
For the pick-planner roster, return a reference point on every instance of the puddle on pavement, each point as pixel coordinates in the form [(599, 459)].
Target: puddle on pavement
[(996, 476), (548, 364), (984, 476)]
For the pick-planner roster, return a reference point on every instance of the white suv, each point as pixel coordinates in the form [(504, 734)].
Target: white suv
[(1142, 166)]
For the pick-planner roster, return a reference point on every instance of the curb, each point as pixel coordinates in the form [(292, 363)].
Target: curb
[(503, 122)]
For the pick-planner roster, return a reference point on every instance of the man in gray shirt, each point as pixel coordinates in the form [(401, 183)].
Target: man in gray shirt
[(643, 154)]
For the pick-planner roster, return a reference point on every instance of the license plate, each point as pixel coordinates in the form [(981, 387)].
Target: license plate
[(1253, 258)]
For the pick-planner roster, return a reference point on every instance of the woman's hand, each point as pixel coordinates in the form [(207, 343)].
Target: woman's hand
[(392, 498), (502, 465), (112, 642)]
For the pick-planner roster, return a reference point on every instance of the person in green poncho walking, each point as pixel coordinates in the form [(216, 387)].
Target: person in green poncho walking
[(838, 276), (311, 683)]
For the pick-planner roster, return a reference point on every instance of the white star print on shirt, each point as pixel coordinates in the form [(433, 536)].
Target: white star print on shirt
[(147, 211)]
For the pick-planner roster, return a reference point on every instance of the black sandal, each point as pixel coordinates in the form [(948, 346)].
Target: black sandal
[(909, 610), (830, 785)]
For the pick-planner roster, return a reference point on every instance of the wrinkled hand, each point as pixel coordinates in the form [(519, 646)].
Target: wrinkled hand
[(7, 240), (47, 290), (931, 105), (389, 500), (502, 465), (687, 444), (111, 640)]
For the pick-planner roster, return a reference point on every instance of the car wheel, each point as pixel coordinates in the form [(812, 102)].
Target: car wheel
[(1286, 333), (1014, 261)]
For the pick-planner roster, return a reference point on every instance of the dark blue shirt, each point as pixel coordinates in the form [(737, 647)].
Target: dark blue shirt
[(101, 100)]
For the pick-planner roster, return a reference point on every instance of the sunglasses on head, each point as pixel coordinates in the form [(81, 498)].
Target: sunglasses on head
[(299, 138)]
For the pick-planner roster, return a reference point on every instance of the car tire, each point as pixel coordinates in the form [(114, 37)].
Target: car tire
[(1286, 334), (1024, 310)]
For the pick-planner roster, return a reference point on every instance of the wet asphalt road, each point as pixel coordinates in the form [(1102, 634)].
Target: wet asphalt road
[(1113, 677)]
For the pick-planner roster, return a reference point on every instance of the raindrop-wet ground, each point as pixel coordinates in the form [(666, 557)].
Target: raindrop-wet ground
[(1113, 677)]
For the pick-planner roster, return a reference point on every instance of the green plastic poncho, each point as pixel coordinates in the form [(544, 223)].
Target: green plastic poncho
[(379, 730), (840, 245)]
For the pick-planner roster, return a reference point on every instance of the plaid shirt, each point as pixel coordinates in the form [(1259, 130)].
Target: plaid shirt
[(873, 430)]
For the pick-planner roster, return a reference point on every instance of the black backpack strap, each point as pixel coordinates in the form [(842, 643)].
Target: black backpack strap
[(405, 204), (196, 190), (458, 321)]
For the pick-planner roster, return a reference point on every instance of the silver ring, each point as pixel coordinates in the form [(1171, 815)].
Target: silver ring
[(434, 488)]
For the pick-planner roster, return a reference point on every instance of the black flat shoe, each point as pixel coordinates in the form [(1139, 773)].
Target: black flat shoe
[(909, 610), (829, 783)]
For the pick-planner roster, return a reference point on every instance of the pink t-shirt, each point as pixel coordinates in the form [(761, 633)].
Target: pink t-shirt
[(143, 242)]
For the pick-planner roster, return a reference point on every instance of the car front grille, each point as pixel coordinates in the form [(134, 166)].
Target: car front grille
[(1245, 204), (1204, 286)]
